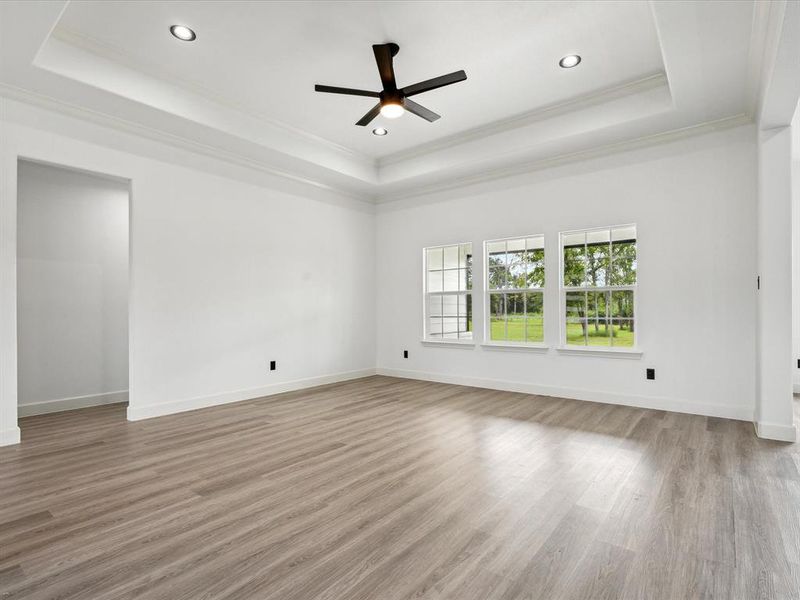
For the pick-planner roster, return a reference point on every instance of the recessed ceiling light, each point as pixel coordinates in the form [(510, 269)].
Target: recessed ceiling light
[(379, 131), (569, 61), (183, 33), (392, 110)]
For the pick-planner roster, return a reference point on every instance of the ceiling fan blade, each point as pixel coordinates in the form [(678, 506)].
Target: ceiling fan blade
[(420, 110), (384, 54), (432, 84), (349, 91), (373, 112)]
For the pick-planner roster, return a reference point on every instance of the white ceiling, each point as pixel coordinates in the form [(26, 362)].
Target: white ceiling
[(266, 57), (246, 85)]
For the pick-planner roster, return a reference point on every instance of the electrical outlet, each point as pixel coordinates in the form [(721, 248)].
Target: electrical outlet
[(272, 365), (651, 373), (405, 355)]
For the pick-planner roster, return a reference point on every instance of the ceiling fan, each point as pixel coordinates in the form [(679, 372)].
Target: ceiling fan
[(393, 101)]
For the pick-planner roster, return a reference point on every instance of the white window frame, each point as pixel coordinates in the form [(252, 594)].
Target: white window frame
[(634, 350), (487, 294), (426, 295)]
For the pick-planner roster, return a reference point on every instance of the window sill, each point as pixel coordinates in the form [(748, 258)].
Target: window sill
[(446, 343), (510, 346), (630, 353)]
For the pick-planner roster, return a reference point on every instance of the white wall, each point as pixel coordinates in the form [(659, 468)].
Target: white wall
[(796, 250), (72, 277), (774, 409), (776, 104), (230, 268), (694, 202)]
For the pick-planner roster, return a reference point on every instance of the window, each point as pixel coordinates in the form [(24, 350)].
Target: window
[(599, 287), (515, 290), (448, 292)]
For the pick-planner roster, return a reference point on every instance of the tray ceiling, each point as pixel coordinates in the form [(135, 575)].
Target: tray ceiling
[(246, 84)]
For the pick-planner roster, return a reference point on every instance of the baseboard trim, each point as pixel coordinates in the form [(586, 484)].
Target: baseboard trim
[(62, 404), (9, 437), (138, 413), (772, 431), (739, 413)]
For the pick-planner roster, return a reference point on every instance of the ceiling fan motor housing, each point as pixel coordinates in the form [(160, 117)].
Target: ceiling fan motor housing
[(390, 96)]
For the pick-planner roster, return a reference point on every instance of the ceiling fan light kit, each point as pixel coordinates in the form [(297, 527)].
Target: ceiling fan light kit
[(392, 110), (394, 101)]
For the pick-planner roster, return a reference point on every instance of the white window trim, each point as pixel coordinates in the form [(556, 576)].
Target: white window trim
[(487, 292), (618, 352), (517, 346), (428, 341), (632, 353), (455, 343)]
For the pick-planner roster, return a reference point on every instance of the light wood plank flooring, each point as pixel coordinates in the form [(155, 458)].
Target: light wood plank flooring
[(388, 489)]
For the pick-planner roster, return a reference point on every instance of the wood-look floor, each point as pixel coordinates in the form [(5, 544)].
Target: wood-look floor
[(388, 489)]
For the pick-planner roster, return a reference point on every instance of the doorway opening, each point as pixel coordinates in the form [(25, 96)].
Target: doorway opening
[(72, 289)]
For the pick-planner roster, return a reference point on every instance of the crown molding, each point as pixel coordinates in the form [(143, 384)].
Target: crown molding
[(117, 123), (114, 54), (571, 157), (541, 113)]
